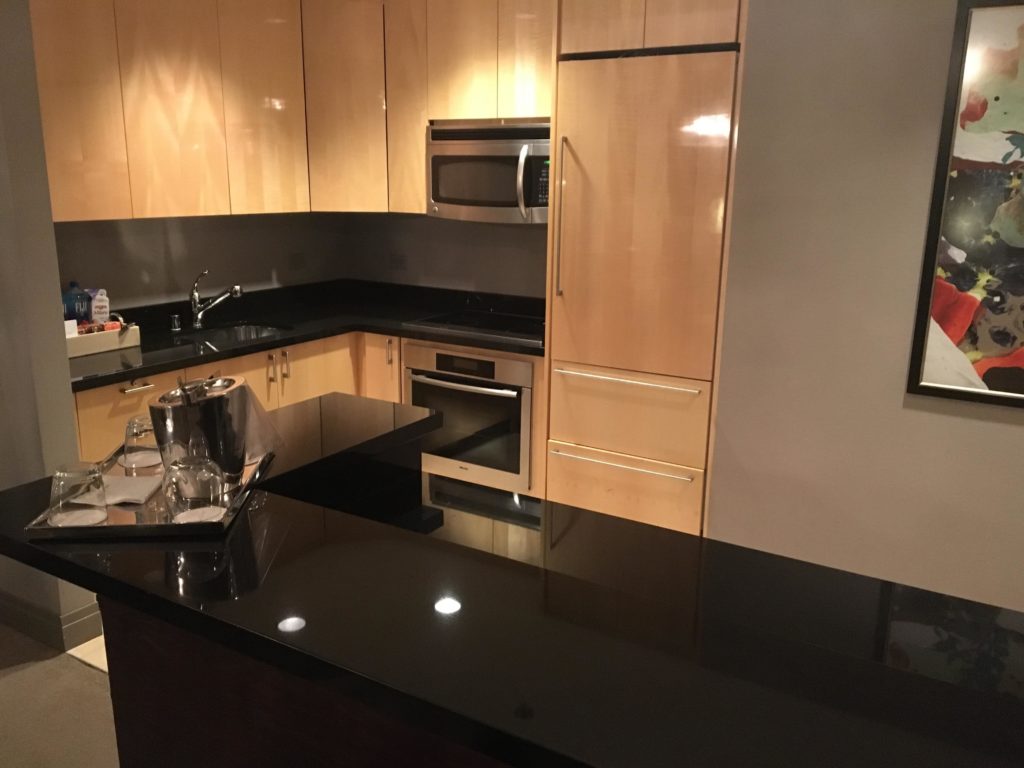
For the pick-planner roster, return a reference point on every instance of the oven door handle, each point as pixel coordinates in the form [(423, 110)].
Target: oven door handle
[(463, 387), (520, 179)]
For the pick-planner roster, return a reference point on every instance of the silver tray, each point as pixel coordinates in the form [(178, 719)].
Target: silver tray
[(150, 520)]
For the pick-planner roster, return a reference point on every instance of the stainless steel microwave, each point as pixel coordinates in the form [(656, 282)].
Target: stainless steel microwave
[(489, 170)]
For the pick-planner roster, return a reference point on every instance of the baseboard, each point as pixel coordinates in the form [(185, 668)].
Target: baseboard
[(58, 632), (81, 625)]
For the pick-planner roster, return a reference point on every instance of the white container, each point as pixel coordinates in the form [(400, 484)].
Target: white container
[(104, 341), (100, 307)]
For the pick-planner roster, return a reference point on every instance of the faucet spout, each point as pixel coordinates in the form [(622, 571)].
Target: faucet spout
[(201, 307)]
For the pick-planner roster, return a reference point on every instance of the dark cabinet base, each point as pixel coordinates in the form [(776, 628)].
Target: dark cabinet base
[(183, 700)]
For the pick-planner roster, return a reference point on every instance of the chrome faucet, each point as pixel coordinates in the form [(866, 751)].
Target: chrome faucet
[(200, 307)]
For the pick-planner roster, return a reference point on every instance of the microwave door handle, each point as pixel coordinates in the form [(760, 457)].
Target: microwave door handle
[(520, 174), (463, 387)]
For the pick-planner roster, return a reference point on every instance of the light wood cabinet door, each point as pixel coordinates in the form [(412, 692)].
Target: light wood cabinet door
[(261, 371), (380, 367), (405, 49), (525, 37), (80, 103), (652, 492), (264, 105), (103, 412), (173, 107), (462, 68), (637, 249), (343, 45), (601, 25), (340, 363), (303, 372), (655, 417), (690, 22)]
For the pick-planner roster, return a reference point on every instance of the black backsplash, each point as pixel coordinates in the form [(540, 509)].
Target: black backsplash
[(151, 261)]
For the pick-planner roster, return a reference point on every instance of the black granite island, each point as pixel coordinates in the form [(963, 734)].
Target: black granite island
[(358, 614)]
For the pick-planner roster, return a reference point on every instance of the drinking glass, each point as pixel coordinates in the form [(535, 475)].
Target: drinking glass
[(141, 453), (77, 495), (194, 490)]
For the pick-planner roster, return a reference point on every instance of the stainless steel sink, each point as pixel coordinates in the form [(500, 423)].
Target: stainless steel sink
[(225, 337)]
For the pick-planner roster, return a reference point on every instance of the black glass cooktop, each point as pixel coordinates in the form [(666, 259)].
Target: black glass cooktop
[(524, 329)]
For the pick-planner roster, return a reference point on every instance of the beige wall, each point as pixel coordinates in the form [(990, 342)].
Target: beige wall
[(36, 407), (820, 455)]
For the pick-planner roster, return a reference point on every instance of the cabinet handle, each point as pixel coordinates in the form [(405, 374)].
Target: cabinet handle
[(136, 388), (389, 357), (561, 207), (684, 478), (272, 375), (651, 384), (286, 367)]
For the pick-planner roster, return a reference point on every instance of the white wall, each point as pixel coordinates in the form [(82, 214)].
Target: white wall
[(819, 454)]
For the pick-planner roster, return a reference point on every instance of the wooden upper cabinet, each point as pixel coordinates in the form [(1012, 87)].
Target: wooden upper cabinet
[(690, 22), (264, 105), (80, 102), (637, 252), (462, 66), (525, 37), (173, 107), (343, 44), (405, 42), (601, 25)]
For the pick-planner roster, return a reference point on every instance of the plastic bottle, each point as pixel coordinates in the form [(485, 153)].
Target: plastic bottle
[(76, 303), (100, 307)]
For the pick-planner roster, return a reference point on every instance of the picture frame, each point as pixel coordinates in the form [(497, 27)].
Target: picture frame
[(968, 339)]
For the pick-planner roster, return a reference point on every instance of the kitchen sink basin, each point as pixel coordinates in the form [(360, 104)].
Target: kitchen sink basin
[(224, 337)]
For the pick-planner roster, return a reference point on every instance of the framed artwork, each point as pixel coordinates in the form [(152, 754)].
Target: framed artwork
[(969, 336)]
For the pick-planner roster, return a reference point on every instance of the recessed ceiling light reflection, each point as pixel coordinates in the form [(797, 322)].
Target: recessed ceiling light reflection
[(446, 606), (291, 624)]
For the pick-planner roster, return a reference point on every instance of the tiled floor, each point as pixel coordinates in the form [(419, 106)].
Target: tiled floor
[(93, 653)]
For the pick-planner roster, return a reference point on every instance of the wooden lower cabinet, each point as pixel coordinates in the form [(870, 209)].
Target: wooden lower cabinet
[(657, 417), (341, 358), (380, 367), (103, 412), (278, 378), (303, 372), (652, 492), (292, 374)]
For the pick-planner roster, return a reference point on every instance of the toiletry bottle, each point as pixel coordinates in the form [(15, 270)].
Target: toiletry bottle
[(100, 307)]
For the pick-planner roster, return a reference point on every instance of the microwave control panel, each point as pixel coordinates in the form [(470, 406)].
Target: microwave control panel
[(541, 174)]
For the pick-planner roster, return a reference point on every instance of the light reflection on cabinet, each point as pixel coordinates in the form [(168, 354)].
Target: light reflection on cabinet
[(264, 105), (173, 107)]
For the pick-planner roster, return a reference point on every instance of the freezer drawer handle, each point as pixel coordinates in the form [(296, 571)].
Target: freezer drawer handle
[(684, 478), (687, 390)]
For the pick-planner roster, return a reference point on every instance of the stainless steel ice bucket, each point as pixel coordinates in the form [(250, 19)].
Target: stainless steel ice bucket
[(204, 417)]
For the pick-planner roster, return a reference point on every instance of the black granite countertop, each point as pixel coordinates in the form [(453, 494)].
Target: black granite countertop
[(294, 315), (606, 642)]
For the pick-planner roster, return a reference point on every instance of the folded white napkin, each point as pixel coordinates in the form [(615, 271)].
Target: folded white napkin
[(122, 490)]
